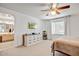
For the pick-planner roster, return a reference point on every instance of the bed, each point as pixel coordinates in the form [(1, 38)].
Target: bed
[(68, 46)]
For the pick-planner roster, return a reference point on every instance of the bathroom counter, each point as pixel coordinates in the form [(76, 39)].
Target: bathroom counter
[(6, 37)]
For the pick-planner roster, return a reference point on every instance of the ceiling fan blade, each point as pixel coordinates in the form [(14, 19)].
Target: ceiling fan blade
[(45, 10), (47, 14), (57, 12), (63, 7), (51, 4)]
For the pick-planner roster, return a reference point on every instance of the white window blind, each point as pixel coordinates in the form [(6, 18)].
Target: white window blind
[(58, 27)]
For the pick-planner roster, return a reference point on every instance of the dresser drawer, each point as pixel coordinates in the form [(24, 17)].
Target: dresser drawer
[(29, 43), (31, 39)]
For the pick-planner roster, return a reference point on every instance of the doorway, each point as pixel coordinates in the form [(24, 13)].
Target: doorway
[(6, 31)]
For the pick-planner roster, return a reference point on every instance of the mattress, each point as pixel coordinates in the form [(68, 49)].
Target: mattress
[(69, 46)]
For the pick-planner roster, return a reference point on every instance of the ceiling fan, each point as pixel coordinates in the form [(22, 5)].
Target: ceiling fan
[(54, 9)]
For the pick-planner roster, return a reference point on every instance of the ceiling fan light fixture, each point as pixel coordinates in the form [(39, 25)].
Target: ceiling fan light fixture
[(53, 12), (54, 9)]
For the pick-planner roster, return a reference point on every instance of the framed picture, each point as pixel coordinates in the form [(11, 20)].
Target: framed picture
[(32, 25)]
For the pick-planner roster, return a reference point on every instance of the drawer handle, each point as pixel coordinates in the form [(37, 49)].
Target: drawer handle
[(29, 40)]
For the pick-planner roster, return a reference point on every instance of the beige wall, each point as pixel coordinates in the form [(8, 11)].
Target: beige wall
[(74, 25)]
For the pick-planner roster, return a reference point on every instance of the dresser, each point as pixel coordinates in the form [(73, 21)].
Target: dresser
[(31, 39)]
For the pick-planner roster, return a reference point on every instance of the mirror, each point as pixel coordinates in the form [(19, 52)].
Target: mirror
[(6, 23)]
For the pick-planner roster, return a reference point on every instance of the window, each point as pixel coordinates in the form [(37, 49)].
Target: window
[(58, 27), (1, 28)]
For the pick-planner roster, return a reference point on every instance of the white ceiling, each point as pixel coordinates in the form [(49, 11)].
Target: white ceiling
[(34, 9)]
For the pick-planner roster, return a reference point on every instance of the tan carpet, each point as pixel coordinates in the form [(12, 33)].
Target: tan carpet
[(41, 49), (6, 45)]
